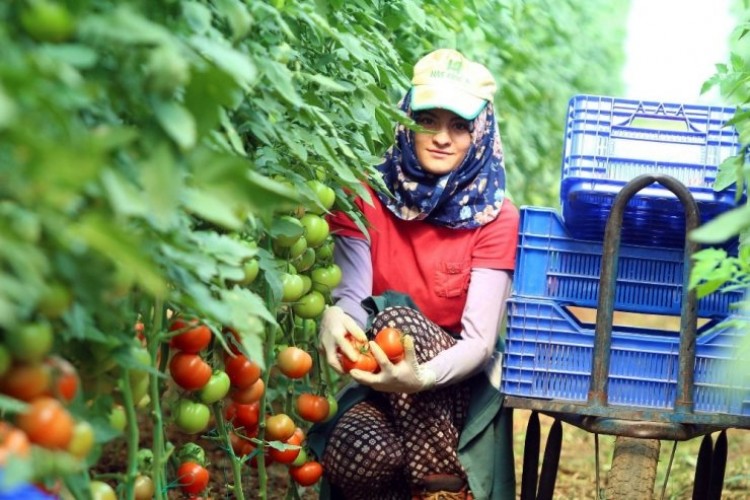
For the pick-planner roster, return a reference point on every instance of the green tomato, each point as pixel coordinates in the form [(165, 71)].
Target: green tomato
[(305, 261), (308, 283), (310, 305), (326, 196), (55, 301), (301, 458), (216, 388), (251, 269), (288, 230), (191, 417), (102, 491), (293, 287), (117, 418), (333, 407), (82, 440), (48, 21), (327, 278), (316, 229), (30, 343), (324, 253)]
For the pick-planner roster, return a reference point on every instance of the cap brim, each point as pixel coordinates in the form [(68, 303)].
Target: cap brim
[(465, 105)]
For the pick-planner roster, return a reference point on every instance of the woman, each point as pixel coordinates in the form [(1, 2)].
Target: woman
[(445, 238)]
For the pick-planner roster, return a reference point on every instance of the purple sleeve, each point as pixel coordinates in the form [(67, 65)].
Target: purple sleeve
[(352, 255), (485, 306)]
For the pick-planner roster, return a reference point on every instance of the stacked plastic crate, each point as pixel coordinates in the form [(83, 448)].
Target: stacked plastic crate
[(550, 336)]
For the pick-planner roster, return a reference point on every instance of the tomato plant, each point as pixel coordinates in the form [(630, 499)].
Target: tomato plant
[(47, 423), (312, 407), (307, 474), (242, 372), (294, 362), (192, 477), (194, 336), (189, 371), (391, 341)]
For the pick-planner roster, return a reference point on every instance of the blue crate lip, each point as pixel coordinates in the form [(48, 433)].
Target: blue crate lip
[(552, 264), (608, 141), (548, 355)]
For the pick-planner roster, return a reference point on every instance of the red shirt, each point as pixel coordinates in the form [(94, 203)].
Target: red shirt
[(432, 264)]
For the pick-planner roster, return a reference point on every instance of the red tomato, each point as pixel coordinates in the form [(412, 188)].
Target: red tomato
[(240, 445), (294, 362), (26, 381), (392, 342), (193, 478), (366, 362), (306, 474), (194, 337), (290, 455), (312, 408), (189, 371), (64, 378), (242, 372), (250, 394), (13, 442), (241, 415), (47, 423)]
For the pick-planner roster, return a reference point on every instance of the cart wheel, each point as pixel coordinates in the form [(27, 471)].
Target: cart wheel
[(633, 470)]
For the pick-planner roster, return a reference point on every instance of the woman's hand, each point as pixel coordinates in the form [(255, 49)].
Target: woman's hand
[(406, 376), (334, 325)]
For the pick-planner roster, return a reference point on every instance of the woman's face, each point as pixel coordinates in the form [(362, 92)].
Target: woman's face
[(444, 147)]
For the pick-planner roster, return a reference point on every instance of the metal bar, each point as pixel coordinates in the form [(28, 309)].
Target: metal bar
[(605, 307)]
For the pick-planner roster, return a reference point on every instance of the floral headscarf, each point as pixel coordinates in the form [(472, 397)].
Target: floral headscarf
[(468, 197)]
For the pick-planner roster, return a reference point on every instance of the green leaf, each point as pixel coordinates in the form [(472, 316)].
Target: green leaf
[(232, 62), (7, 109), (237, 16), (124, 26), (329, 84), (162, 184), (212, 207), (124, 197), (723, 227), (177, 122)]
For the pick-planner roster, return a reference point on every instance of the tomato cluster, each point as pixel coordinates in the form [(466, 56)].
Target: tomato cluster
[(389, 339)]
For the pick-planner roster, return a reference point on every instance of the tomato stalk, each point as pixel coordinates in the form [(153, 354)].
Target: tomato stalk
[(132, 433), (236, 461), (158, 362)]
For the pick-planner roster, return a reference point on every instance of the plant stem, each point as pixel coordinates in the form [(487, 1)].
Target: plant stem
[(236, 461), (157, 445), (132, 434)]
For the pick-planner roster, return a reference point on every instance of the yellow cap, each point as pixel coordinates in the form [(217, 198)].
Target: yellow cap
[(445, 79)]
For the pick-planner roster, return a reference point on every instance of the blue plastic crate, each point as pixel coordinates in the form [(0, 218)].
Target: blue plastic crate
[(548, 355), (551, 264), (609, 141)]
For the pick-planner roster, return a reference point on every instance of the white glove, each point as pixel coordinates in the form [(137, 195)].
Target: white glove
[(406, 376), (334, 325)]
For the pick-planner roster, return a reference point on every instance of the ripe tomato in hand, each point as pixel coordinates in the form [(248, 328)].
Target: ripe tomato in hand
[(307, 474), (294, 362), (391, 340), (189, 371), (194, 337), (242, 372), (312, 408), (365, 362), (193, 478)]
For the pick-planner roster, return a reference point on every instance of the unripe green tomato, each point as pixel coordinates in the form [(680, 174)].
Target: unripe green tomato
[(326, 196), (298, 248), (191, 417), (292, 231), (30, 343), (117, 418), (325, 252), (327, 278), (216, 388), (55, 301), (292, 287), (47, 21), (316, 229), (301, 458), (251, 269), (82, 440), (310, 305), (305, 261), (333, 407), (308, 283), (102, 491)]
